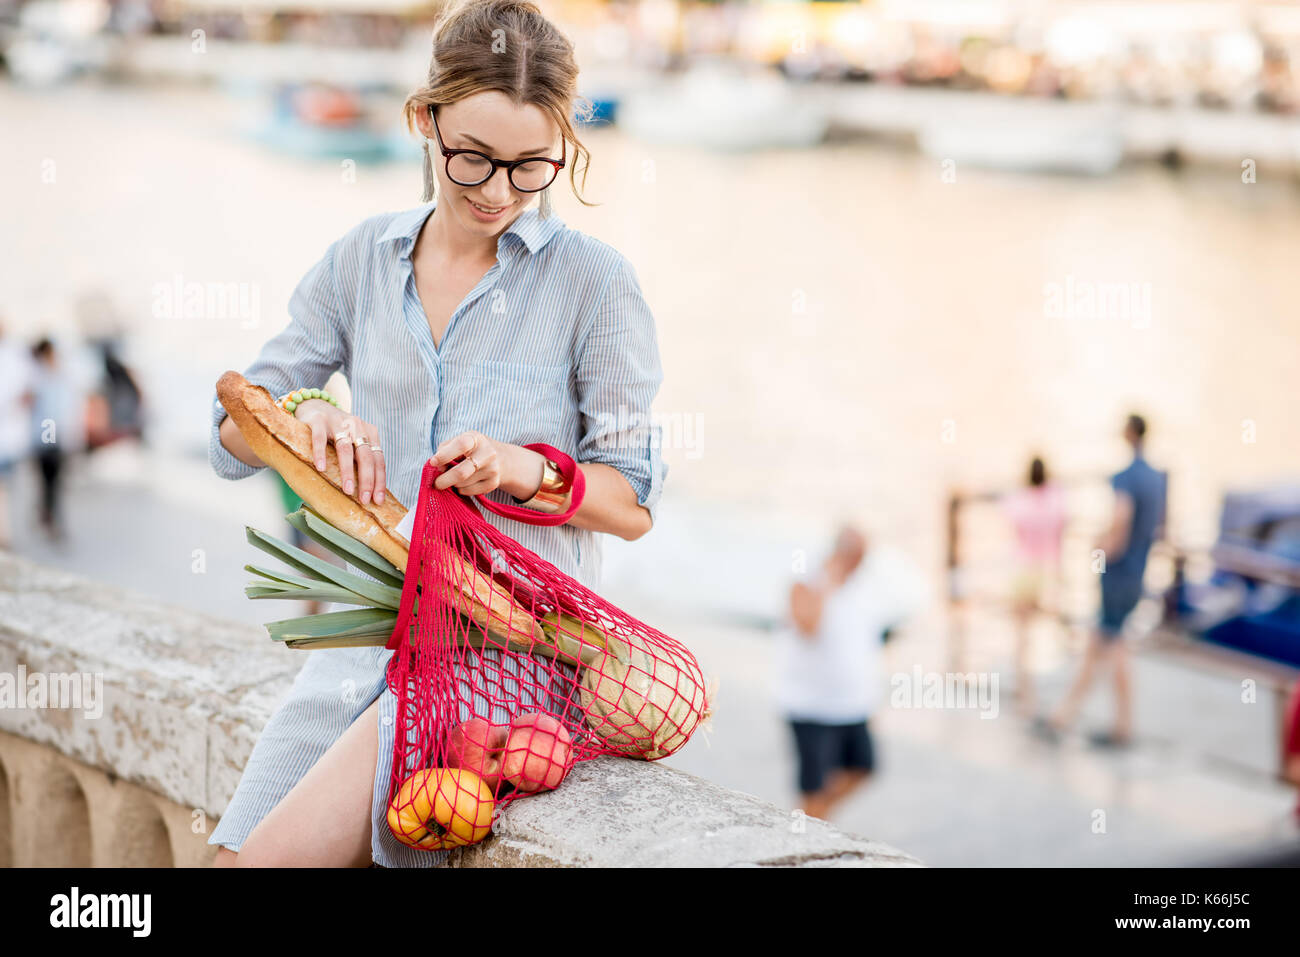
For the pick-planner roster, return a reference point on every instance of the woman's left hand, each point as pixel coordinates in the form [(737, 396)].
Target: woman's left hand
[(480, 470), (487, 465)]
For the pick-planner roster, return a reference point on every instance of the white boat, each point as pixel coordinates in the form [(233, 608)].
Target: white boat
[(723, 107), (1028, 137)]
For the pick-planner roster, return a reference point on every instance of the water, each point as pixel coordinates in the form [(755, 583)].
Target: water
[(847, 332)]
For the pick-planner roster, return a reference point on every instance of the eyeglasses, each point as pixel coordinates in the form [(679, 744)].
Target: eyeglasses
[(472, 168)]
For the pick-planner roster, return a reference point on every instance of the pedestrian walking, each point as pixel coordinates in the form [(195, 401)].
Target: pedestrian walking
[(1137, 520)]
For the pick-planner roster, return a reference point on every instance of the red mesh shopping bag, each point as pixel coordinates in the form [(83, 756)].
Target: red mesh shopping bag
[(508, 671)]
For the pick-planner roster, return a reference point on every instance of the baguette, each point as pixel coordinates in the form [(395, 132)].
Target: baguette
[(490, 605), (284, 444)]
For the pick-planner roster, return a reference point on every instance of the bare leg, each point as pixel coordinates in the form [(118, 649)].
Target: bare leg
[(1082, 682), (841, 784), (1024, 685), (225, 858), (817, 806), (814, 805), (844, 783), (1118, 653), (324, 821)]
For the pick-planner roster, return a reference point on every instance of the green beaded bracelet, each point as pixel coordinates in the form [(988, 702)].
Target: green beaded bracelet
[(291, 400)]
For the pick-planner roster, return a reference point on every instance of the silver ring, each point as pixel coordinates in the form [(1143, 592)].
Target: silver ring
[(363, 441), (376, 450), (340, 435)]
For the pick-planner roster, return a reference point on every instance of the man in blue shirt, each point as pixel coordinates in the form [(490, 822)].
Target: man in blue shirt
[(1137, 521)]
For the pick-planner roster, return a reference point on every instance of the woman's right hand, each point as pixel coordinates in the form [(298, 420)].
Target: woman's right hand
[(360, 468)]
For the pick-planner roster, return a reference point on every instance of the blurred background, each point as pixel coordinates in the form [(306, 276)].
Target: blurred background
[(894, 250)]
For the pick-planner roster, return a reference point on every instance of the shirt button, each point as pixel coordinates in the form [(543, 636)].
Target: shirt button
[(386, 720)]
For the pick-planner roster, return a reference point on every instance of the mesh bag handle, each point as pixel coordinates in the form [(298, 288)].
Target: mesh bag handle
[(574, 481)]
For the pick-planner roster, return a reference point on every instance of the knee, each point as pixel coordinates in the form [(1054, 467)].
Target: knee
[(1113, 651), (269, 849), (251, 855), (854, 778), (264, 853), (225, 858), (1101, 643)]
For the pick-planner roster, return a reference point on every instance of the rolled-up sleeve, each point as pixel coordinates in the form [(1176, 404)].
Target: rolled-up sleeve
[(303, 355), (618, 376)]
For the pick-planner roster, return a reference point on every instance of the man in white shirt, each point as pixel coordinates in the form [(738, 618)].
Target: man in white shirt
[(828, 671)]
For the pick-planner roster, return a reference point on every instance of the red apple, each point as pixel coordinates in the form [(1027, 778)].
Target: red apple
[(536, 756), (477, 746)]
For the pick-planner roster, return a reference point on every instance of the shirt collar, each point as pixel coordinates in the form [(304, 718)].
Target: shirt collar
[(528, 227)]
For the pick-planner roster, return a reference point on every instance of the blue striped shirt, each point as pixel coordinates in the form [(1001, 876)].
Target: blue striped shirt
[(554, 344)]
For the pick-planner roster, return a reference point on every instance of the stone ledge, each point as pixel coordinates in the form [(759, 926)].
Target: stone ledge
[(175, 683), (180, 718), (63, 813), (614, 812)]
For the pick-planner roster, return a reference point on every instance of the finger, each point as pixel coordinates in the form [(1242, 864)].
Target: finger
[(479, 488), (487, 475), (483, 479), (462, 474), (381, 474), (445, 452), (319, 439), (455, 447), (457, 475), (365, 471), (343, 445)]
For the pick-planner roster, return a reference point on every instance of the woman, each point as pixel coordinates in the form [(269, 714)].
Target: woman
[(467, 327), (1037, 514)]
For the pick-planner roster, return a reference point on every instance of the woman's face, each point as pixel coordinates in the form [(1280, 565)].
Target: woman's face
[(490, 123)]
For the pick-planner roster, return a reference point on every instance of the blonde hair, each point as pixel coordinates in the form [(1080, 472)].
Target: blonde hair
[(508, 46)]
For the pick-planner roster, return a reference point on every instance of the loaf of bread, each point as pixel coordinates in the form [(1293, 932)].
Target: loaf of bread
[(284, 444)]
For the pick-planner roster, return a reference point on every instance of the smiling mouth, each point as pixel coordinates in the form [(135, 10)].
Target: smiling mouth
[(485, 209)]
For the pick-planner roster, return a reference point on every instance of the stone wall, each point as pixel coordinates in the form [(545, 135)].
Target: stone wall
[(137, 772)]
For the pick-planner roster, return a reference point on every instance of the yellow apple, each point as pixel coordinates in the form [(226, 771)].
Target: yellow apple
[(441, 808)]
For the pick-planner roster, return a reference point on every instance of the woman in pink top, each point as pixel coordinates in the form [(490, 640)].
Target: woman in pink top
[(1037, 514)]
